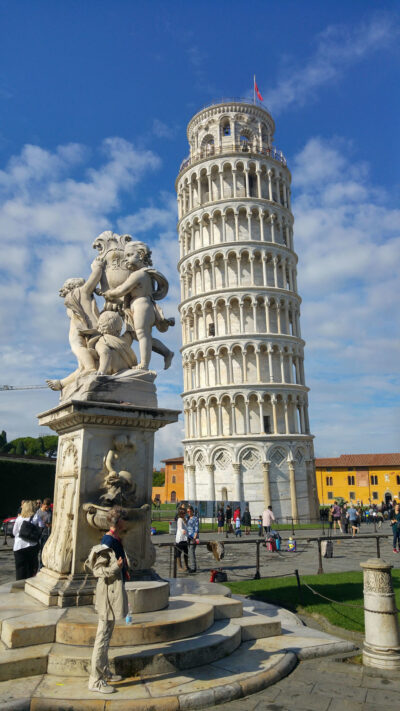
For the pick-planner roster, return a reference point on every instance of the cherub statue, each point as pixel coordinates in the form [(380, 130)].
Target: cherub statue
[(113, 351), (83, 313), (140, 290)]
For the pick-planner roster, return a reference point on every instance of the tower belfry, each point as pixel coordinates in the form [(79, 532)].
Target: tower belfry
[(247, 435)]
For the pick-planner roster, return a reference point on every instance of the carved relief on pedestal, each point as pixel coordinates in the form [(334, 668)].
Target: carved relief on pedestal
[(57, 553), (377, 581)]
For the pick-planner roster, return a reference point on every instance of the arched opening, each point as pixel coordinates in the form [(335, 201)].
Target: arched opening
[(173, 497)]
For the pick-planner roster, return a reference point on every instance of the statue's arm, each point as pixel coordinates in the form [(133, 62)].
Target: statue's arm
[(95, 276), (130, 282)]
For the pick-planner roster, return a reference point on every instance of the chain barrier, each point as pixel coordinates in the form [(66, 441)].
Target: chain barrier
[(349, 604)]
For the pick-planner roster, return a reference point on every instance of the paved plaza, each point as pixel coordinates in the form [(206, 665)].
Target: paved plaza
[(240, 555), (323, 684)]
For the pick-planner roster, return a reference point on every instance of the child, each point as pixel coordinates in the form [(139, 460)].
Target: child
[(238, 530)]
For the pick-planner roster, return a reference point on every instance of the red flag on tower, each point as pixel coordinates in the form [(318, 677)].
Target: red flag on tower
[(256, 90)]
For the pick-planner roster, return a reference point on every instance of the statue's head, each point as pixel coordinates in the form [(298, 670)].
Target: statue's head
[(70, 285), (110, 322), (137, 255)]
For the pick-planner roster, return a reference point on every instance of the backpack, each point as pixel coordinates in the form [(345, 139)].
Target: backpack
[(327, 549), (30, 532), (220, 577), (271, 545)]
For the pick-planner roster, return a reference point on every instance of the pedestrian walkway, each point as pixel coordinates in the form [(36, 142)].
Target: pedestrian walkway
[(324, 685)]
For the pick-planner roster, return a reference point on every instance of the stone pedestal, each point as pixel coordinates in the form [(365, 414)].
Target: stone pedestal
[(382, 638), (87, 431)]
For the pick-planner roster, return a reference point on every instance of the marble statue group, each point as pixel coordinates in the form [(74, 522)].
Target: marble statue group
[(123, 275)]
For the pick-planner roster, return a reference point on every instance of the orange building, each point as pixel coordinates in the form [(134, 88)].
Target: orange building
[(174, 485), (366, 478)]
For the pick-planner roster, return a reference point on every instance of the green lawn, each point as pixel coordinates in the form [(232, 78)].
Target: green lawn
[(162, 526), (344, 587)]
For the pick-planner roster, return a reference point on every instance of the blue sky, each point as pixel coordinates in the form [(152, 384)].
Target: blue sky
[(94, 101)]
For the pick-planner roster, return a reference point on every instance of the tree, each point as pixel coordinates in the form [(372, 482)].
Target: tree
[(33, 446), (3, 440), (19, 446), (158, 478)]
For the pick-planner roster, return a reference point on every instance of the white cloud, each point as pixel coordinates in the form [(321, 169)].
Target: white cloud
[(347, 236), (337, 48)]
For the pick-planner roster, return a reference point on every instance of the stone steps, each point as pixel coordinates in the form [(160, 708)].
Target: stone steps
[(182, 618), (152, 659)]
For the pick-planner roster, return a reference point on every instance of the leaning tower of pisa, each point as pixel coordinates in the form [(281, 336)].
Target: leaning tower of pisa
[(247, 435)]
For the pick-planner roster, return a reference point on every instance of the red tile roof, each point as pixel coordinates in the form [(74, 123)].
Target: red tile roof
[(361, 460), (174, 460)]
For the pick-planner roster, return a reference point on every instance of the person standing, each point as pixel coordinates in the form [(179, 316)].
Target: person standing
[(353, 520), (43, 519), (109, 565), (336, 512), (236, 513), (192, 526), (181, 540), (238, 530), (25, 551), (267, 518), (220, 520), (246, 521), (228, 517), (344, 521), (395, 522)]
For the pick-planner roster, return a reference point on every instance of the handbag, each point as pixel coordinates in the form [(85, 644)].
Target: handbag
[(30, 532)]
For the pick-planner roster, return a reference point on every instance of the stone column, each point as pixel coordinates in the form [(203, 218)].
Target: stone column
[(236, 482), (274, 402), (382, 636), (192, 482), (211, 483), (267, 491), (293, 495)]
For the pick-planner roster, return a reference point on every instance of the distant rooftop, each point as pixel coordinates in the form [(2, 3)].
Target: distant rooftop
[(174, 460), (361, 460)]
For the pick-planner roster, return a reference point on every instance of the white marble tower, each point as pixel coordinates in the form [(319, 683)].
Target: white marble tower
[(247, 435)]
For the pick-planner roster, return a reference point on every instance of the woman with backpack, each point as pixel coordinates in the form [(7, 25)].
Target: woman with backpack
[(26, 549)]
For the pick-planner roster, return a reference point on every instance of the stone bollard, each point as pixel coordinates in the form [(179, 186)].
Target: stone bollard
[(382, 637)]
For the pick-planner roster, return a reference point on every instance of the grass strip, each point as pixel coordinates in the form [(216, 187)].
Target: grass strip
[(343, 587)]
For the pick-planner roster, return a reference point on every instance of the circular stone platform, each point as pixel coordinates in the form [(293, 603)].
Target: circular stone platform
[(147, 595), (180, 619)]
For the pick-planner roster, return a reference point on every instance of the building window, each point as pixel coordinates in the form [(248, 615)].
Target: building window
[(330, 494), (267, 424), (375, 495), (173, 497), (351, 480), (398, 479), (329, 480), (352, 495), (226, 129), (374, 479), (174, 467), (211, 329), (173, 480)]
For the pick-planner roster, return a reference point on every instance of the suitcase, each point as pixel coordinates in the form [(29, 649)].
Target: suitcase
[(271, 545), (327, 549), (278, 543)]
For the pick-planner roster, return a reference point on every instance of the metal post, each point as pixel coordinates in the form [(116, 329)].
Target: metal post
[(320, 568), (292, 528), (175, 563), (296, 572), (170, 562), (257, 573), (323, 526), (378, 547)]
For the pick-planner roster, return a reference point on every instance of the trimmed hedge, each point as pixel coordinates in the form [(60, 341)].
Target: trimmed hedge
[(24, 480)]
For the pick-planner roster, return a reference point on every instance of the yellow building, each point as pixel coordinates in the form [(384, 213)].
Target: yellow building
[(174, 487), (362, 478)]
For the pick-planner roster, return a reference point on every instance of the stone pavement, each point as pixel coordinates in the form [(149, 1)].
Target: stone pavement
[(324, 685)]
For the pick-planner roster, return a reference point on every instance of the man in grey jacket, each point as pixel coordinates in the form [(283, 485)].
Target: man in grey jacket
[(111, 602)]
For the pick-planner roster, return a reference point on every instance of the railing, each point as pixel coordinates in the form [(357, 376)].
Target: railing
[(239, 146), (236, 100)]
